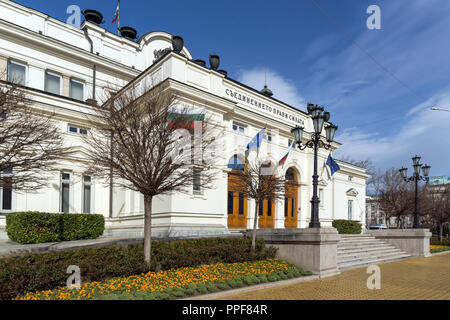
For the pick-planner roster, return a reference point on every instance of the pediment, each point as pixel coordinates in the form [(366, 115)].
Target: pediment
[(352, 192)]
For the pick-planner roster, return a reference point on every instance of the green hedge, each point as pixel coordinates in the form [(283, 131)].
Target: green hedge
[(47, 271), (39, 227), (347, 226), (435, 241)]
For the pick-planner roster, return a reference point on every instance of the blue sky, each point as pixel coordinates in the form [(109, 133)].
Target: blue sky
[(308, 59)]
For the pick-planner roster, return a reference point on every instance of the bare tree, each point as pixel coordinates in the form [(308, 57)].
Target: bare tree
[(437, 206), (396, 196), (145, 142), (30, 141), (259, 181)]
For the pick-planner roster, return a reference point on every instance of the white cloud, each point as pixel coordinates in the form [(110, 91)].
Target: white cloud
[(422, 131), (283, 89)]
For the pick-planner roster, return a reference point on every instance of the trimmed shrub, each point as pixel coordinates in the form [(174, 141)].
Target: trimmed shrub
[(33, 227), (222, 285), (435, 241), (39, 227), (35, 272), (201, 288), (82, 226), (347, 226)]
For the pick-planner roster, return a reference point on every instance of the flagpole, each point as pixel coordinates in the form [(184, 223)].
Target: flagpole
[(118, 21)]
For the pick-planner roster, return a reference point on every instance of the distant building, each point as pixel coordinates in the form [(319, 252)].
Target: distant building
[(376, 215)]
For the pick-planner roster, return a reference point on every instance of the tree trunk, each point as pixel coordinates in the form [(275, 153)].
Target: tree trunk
[(441, 231), (148, 229), (255, 224)]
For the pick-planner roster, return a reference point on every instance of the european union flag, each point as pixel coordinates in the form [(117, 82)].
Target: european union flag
[(257, 140), (332, 164)]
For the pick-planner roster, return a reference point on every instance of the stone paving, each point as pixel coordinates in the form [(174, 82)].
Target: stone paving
[(412, 279)]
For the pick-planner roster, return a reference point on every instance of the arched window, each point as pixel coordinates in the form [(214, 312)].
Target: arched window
[(235, 163), (290, 175)]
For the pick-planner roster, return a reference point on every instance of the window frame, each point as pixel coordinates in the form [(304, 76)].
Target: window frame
[(350, 209), (79, 82), (240, 128), (91, 185), (60, 81), (4, 211), (78, 132), (25, 80), (62, 181), (199, 174)]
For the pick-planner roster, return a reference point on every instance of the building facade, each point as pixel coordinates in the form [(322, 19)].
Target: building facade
[(63, 68)]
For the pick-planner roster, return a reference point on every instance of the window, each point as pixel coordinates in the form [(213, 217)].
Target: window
[(197, 180), (16, 72), (6, 193), (230, 202), (238, 128), (87, 194), (74, 129), (289, 142), (65, 192), (293, 208), (321, 199), (52, 83), (286, 202), (350, 209), (268, 137), (76, 90), (241, 203), (260, 207)]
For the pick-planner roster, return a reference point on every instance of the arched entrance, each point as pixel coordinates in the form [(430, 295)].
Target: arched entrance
[(291, 199), (237, 202)]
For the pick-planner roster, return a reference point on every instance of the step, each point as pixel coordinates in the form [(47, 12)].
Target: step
[(380, 255), (365, 249), (366, 253), (352, 265), (361, 245)]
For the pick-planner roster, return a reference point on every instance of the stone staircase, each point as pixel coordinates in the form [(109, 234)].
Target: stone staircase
[(354, 251)]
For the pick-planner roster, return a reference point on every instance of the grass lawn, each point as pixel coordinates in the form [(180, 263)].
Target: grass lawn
[(177, 283)]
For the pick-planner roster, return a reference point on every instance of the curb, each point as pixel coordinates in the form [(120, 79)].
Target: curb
[(217, 295)]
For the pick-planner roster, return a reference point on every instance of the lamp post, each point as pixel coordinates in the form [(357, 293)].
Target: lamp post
[(318, 117), (416, 177)]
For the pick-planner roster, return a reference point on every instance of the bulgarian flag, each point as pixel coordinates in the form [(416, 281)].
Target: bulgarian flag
[(185, 118), (116, 14), (283, 160)]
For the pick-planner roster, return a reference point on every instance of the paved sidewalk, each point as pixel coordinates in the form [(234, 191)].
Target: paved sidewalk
[(412, 279)]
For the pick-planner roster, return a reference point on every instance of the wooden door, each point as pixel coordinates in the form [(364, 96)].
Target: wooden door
[(237, 205), (291, 199), (266, 212)]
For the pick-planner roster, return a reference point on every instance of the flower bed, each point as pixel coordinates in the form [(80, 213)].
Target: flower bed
[(438, 248), (177, 283)]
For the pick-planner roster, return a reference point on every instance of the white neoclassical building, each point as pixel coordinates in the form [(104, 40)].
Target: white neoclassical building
[(64, 67)]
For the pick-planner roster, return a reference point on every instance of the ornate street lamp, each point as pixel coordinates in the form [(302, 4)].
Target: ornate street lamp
[(319, 118), (416, 177)]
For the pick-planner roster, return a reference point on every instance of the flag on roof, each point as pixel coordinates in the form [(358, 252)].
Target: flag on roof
[(116, 14)]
